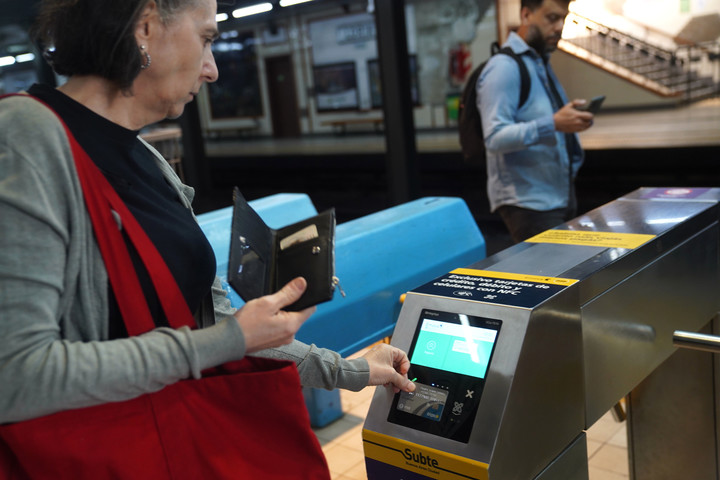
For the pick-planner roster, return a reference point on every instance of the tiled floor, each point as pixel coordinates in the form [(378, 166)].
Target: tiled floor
[(342, 442)]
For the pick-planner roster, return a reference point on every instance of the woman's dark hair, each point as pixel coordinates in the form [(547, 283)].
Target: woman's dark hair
[(96, 37)]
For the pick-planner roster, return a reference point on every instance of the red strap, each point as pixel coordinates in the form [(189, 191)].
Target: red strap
[(101, 199)]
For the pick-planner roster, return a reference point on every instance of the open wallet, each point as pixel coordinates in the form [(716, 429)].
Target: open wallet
[(262, 259)]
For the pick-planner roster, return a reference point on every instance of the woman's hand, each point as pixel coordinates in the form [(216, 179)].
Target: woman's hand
[(266, 325), (389, 366)]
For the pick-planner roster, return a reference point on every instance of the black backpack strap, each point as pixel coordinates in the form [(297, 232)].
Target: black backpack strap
[(524, 73)]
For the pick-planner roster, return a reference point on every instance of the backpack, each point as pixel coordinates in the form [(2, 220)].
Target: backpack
[(472, 142)]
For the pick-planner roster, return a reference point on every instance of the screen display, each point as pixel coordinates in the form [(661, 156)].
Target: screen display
[(454, 347), (450, 356), (425, 401)]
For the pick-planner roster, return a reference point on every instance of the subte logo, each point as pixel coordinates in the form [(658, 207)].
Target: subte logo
[(420, 458)]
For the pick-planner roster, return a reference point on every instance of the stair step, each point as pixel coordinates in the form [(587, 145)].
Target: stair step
[(654, 68), (674, 79), (694, 86), (702, 93)]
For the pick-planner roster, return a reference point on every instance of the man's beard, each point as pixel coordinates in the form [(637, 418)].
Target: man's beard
[(538, 42)]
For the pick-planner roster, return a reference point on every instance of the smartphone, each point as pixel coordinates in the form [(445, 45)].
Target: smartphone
[(593, 106)]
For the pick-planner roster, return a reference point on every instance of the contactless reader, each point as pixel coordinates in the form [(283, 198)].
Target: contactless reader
[(449, 355)]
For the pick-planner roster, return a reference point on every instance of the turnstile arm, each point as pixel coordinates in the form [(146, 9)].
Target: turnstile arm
[(696, 341)]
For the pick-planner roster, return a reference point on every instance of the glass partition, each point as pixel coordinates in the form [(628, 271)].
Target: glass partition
[(332, 54)]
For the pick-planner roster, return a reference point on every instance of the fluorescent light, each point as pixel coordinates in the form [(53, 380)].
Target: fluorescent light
[(25, 57), (228, 47), (229, 34), (287, 3), (6, 61), (252, 10), (221, 17)]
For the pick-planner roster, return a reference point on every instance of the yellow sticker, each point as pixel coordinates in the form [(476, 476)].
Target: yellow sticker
[(591, 239), (422, 460), (518, 277)]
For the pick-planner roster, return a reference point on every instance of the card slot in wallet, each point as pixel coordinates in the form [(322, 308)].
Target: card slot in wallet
[(251, 271), (262, 260)]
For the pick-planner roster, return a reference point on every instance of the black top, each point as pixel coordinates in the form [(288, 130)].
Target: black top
[(132, 171)]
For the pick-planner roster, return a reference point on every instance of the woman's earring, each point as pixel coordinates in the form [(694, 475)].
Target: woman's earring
[(148, 60)]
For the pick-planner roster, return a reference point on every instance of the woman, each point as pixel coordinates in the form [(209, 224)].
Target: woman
[(63, 344)]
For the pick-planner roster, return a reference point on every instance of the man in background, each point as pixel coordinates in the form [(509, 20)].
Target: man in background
[(533, 152)]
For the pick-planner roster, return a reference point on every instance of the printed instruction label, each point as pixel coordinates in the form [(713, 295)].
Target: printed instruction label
[(592, 239), (513, 289)]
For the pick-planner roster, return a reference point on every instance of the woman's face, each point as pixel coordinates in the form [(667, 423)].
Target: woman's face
[(182, 59)]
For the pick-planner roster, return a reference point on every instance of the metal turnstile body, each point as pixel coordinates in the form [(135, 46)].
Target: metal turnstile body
[(562, 326)]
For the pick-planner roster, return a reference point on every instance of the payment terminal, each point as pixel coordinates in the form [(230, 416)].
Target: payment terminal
[(465, 356), (449, 355)]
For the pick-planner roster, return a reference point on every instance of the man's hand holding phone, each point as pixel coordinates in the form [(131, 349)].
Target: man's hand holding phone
[(574, 117), (593, 106)]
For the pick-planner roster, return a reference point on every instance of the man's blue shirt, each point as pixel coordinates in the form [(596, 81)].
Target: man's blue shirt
[(527, 160)]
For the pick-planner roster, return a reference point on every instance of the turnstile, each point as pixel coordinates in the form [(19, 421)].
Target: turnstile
[(515, 356)]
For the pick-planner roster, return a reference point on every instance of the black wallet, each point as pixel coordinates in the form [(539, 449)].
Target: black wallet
[(262, 260)]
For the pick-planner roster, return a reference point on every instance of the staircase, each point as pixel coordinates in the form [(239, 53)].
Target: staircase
[(688, 73)]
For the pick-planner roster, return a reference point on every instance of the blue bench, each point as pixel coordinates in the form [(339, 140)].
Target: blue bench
[(378, 258)]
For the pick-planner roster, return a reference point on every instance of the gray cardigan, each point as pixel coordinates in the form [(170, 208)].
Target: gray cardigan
[(54, 352)]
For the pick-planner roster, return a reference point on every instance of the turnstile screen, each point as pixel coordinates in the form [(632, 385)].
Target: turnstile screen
[(449, 356)]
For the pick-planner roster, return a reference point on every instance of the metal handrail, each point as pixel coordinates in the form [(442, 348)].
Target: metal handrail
[(696, 341), (684, 57), (641, 44)]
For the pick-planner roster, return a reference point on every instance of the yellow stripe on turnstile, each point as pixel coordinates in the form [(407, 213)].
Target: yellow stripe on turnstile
[(403, 454), (521, 277), (591, 239)]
